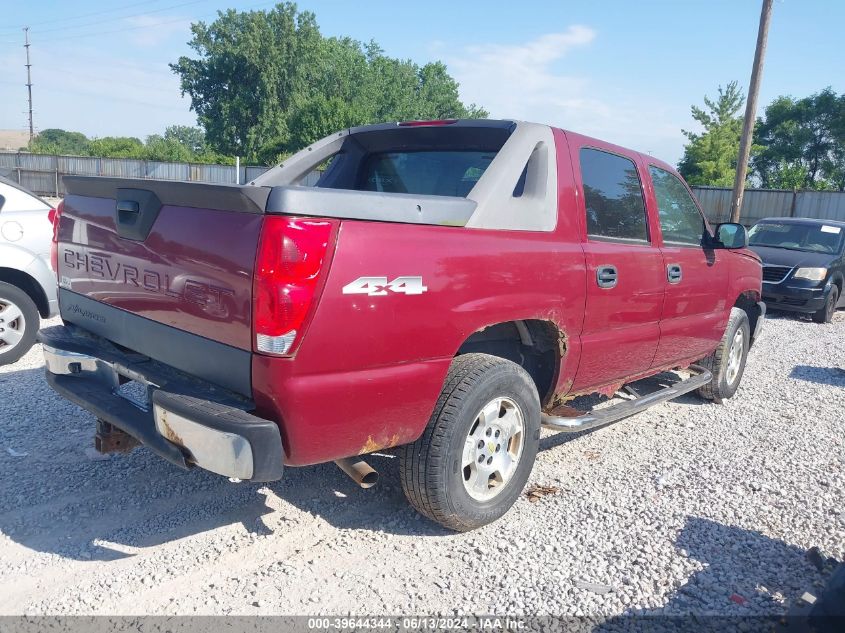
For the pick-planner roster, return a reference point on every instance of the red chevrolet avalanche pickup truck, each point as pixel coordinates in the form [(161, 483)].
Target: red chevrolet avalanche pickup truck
[(445, 288)]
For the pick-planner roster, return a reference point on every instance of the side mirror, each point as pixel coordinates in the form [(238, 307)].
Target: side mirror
[(731, 235)]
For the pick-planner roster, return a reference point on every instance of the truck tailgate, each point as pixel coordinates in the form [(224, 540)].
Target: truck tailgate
[(178, 255)]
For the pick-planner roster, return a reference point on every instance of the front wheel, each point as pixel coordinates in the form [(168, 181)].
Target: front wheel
[(727, 362), (826, 312), (19, 323), (476, 453)]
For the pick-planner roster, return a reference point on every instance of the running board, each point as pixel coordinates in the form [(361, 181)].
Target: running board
[(629, 407)]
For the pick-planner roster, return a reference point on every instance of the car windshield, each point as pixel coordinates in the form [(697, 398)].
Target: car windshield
[(812, 238)]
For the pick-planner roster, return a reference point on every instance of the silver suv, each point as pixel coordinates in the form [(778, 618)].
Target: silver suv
[(27, 281)]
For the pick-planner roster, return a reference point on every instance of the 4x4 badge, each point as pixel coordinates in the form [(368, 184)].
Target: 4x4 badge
[(380, 286)]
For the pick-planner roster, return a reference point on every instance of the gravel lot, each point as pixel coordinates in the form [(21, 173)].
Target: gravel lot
[(689, 507)]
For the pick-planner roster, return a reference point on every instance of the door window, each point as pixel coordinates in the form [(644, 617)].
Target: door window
[(680, 220), (613, 196)]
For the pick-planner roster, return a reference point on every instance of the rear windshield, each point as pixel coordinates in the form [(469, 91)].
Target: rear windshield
[(812, 238), (434, 161), (436, 173)]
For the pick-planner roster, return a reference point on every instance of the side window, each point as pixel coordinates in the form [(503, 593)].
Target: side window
[(613, 196), (680, 220)]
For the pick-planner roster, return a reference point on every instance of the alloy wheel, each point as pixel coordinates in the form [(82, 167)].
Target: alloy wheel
[(12, 326), (735, 357), (493, 448)]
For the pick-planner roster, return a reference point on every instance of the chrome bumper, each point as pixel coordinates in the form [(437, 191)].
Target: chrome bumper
[(182, 419)]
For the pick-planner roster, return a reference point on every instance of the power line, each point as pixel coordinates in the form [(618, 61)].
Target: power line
[(123, 30), (83, 15), (144, 26), (113, 19), (108, 98), (120, 17), (72, 73)]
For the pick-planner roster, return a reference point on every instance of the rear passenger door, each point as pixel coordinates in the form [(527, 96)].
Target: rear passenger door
[(696, 309), (625, 279)]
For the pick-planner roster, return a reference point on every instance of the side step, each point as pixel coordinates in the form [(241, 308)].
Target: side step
[(629, 407)]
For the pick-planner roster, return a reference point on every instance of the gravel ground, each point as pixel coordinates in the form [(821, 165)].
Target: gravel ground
[(686, 508)]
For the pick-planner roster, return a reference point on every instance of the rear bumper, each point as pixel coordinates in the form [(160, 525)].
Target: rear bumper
[(188, 422)]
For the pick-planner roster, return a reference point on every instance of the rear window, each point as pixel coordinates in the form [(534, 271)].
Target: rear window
[(442, 160), (436, 173)]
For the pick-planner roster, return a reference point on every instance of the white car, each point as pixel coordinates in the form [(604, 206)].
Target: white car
[(27, 280)]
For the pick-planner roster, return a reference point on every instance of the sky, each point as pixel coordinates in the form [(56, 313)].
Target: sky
[(626, 72)]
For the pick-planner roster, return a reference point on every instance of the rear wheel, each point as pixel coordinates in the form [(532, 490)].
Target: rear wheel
[(727, 362), (476, 453), (826, 312), (19, 322)]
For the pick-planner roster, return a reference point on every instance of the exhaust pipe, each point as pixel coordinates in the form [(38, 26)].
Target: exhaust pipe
[(360, 471)]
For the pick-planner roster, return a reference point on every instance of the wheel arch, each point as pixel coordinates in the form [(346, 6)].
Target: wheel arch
[(838, 281), (749, 302), (29, 285), (536, 345)]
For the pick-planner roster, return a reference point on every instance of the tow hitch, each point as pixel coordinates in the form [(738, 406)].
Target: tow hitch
[(110, 439)]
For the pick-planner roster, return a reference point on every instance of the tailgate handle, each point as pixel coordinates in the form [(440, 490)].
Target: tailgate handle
[(127, 211), (135, 213)]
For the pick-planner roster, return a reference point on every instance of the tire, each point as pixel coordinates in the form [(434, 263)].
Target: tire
[(727, 374), (826, 312), (19, 323), (439, 469)]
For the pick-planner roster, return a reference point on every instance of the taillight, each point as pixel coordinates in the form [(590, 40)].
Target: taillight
[(54, 216), (291, 254)]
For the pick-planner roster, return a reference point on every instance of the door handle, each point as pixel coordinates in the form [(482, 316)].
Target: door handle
[(607, 276), (674, 273)]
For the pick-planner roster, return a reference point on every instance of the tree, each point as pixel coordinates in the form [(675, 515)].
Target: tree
[(267, 83), (179, 143), (192, 138), (316, 118), (802, 142), (710, 157), (165, 149), (250, 66), (116, 147), (57, 141)]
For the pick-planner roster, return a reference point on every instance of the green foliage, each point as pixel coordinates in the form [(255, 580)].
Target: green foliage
[(56, 141), (116, 147), (710, 158), (191, 138), (166, 149), (267, 83), (179, 143), (803, 143)]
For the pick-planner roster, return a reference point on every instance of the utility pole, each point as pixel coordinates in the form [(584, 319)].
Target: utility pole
[(750, 111), (29, 83)]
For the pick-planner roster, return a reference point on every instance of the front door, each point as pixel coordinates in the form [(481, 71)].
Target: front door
[(696, 310), (625, 283)]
